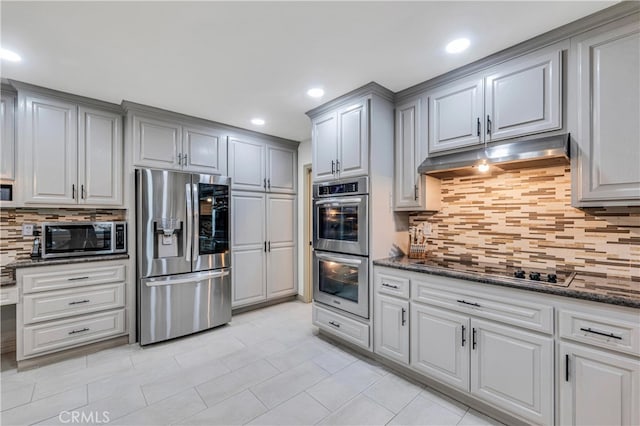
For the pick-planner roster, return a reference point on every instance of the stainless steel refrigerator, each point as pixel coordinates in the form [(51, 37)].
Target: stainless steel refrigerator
[(184, 282)]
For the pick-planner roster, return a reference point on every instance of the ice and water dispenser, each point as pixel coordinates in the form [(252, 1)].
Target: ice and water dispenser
[(168, 241)]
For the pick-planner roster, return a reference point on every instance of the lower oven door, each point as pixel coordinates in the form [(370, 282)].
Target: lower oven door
[(342, 281), (178, 305)]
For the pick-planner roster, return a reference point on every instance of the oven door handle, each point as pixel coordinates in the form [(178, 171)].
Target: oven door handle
[(338, 201), (352, 262)]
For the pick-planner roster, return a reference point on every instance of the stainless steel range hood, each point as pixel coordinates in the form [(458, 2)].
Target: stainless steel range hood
[(536, 151)]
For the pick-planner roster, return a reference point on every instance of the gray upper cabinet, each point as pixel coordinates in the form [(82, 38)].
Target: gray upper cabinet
[(523, 96), (516, 98), (455, 115), (49, 142), (204, 150), (412, 191), (71, 153), (606, 169), (257, 165), (324, 134), (177, 144), (7, 143), (157, 143), (340, 142)]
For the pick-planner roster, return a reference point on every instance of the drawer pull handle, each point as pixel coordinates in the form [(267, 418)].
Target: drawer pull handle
[(77, 278), (600, 333), (335, 324), (79, 331), (468, 303), (79, 302), (390, 286)]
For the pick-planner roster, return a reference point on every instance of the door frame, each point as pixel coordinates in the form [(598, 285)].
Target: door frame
[(307, 291)]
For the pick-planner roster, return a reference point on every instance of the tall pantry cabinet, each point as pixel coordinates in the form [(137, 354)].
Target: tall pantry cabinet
[(264, 219)]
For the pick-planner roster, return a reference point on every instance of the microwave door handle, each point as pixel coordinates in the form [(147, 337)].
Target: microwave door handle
[(341, 201), (189, 225), (351, 262)]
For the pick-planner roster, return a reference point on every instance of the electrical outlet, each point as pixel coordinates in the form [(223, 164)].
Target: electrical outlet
[(27, 229), (426, 228)]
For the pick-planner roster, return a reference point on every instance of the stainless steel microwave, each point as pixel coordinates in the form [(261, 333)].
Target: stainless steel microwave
[(70, 239)]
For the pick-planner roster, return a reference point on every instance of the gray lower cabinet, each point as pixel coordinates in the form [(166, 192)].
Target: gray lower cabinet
[(606, 66)]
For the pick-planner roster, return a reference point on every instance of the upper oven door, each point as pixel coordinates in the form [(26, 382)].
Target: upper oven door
[(340, 224)]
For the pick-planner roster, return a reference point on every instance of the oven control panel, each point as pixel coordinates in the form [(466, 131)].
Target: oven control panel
[(351, 187)]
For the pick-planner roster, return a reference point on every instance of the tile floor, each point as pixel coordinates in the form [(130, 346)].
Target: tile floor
[(266, 367)]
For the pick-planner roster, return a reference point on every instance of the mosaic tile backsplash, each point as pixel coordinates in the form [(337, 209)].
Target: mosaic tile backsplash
[(524, 218), (13, 246)]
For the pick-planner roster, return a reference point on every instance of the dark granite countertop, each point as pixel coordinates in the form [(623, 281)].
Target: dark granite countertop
[(28, 263), (597, 288)]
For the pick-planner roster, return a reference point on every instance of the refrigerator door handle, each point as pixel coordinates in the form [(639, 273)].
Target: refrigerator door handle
[(189, 227), (195, 228), (205, 276)]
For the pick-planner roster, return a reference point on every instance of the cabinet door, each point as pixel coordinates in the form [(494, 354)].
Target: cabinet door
[(597, 388), (408, 157), (456, 116), (513, 369), (281, 230), (608, 110), (204, 150), (324, 146), (353, 145), (157, 143), (50, 151), (440, 344), (7, 143), (524, 96), (247, 164), (391, 328), (100, 159), (248, 239), (282, 164)]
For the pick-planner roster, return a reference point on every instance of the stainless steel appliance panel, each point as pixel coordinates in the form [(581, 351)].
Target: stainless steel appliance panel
[(70, 239), (164, 228), (211, 240), (183, 304), (341, 224), (342, 281)]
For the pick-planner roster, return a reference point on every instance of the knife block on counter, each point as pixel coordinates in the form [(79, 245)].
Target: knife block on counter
[(417, 251)]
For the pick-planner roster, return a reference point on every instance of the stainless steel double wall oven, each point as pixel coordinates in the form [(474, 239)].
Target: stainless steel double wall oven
[(184, 266), (341, 245)]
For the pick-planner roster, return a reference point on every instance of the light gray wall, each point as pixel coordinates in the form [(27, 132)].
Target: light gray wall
[(304, 158)]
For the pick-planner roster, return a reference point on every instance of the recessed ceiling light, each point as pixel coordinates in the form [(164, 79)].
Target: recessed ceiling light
[(316, 92), (458, 45), (257, 121), (9, 55)]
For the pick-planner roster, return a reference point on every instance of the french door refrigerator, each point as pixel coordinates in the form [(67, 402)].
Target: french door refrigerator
[(184, 282)]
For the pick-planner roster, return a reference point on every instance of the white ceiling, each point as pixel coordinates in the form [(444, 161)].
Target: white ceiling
[(231, 61)]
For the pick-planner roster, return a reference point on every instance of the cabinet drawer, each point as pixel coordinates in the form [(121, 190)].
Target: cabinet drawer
[(346, 328), (392, 284), (614, 334), (9, 295), (65, 303), (521, 313), (57, 278), (57, 335)]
